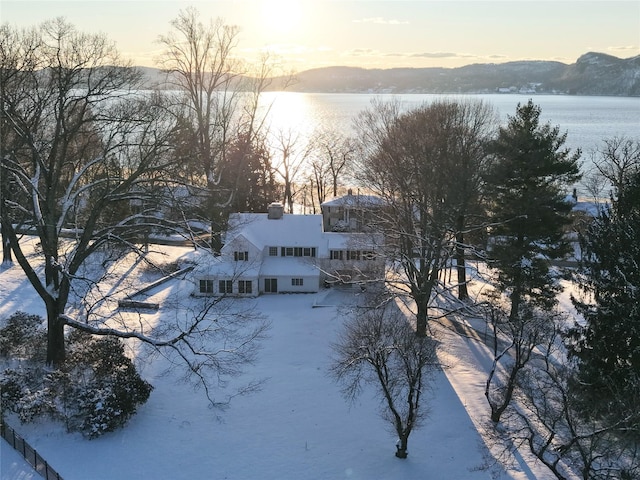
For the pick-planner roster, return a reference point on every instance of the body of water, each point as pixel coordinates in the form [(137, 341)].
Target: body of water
[(587, 120)]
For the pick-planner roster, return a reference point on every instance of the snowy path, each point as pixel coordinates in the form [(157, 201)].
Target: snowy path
[(469, 360)]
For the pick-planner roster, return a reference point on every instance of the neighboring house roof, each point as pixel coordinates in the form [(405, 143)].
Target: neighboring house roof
[(351, 200)]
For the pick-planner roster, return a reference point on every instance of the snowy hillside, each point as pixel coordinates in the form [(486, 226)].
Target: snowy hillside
[(297, 426)]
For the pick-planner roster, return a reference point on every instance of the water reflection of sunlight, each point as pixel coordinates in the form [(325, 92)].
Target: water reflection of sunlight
[(287, 111)]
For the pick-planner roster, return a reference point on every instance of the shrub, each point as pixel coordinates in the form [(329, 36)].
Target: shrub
[(97, 390), (23, 397), (23, 336), (109, 387)]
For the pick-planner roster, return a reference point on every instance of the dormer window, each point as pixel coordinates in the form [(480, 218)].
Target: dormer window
[(241, 256)]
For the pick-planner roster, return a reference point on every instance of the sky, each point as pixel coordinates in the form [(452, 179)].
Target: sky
[(305, 34)]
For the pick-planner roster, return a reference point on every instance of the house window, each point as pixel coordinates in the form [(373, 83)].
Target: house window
[(241, 256), (273, 251), (298, 251), (245, 286), (353, 254), (297, 282), (206, 286), (225, 286), (336, 254)]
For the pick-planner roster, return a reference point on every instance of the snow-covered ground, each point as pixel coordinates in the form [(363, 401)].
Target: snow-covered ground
[(298, 425)]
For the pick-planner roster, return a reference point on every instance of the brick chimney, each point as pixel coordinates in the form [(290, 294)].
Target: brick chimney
[(275, 211)]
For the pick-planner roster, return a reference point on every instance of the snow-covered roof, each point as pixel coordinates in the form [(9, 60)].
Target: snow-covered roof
[(210, 265), (290, 230), (592, 208), (351, 200), (293, 266), (295, 231)]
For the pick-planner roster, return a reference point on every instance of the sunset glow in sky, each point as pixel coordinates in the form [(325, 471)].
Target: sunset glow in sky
[(372, 34)]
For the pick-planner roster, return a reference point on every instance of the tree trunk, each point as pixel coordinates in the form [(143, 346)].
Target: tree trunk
[(216, 238), (401, 446), (463, 294), (55, 335), (4, 219), (497, 411), (7, 259), (421, 318), (216, 217)]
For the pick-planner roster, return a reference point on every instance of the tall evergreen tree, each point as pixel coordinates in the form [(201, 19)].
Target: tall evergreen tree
[(526, 185), (247, 175), (608, 344)]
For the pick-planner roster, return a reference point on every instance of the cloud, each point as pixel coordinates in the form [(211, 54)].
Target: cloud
[(371, 53), (362, 52), (441, 55), (430, 55), (382, 21), (625, 49)]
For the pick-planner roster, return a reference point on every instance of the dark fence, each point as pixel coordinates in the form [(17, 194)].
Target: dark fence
[(29, 453)]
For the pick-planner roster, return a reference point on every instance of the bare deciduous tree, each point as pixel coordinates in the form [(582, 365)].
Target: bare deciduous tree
[(218, 106), (17, 58), (425, 164), (379, 347), (91, 154), (617, 159), (290, 155), (333, 153), (551, 422), (73, 152), (514, 342), (199, 62), (207, 341)]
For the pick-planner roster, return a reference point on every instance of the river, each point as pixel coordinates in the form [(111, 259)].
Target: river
[(587, 120)]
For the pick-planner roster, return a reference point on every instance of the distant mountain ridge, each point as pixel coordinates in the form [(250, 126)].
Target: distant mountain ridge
[(592, 74)]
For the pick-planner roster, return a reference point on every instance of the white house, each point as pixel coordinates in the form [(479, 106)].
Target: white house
[(276, 252), (350, 213)]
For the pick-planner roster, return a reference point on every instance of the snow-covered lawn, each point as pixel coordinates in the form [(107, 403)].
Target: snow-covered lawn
[(297, 427)]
